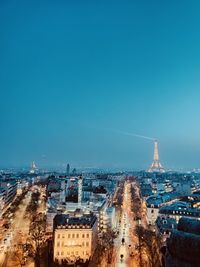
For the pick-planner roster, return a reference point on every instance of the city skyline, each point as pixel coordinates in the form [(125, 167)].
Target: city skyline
[(99, 139), (73, 72)]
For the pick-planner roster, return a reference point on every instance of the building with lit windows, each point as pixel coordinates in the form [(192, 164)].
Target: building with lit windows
[(155, 202), (8, 191), (178, 210), (75, 237), (2, 200)]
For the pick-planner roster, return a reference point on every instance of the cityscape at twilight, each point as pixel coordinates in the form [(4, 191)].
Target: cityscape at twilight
[(100, 138)]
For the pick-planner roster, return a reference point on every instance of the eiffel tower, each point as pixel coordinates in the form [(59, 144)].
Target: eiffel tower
[(33, 167), (156, 165)]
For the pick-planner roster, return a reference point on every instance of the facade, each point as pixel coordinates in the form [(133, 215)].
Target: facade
[(155, 202), (74, 237), (2, 200), (21, 186), (164, 227), (49, 222), (7, 193), (107, 218), (111, 217), (178, 210)]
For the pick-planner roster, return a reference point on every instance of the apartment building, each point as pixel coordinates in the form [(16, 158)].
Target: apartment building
[(75, 237)]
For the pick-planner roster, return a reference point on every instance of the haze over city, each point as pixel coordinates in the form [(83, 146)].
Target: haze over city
[(74, 75)]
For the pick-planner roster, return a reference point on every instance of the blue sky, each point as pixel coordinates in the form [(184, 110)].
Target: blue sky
[(75, 73)]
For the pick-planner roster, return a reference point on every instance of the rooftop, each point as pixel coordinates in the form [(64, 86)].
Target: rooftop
[(184, 242), (161, 198), (179, 208), (67, 221), (189, 225)]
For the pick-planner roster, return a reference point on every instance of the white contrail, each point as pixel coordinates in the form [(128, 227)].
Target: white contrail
[(123, 133), (135, 135)]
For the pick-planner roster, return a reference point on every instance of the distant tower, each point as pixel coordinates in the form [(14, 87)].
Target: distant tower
[(33, 167), (63, 191), (68, 169), (80, 185), (74, 171), (156, 165)]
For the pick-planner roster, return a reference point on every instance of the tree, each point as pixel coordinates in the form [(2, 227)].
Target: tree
[(37, 238), (19, 254), (148, 247), (136, 207), (33, 205), (104, 249), (108, 244), (139, 231), (97, 256)]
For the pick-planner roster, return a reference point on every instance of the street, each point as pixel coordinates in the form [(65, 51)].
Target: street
[(19, 230), (126, 239), (16, 234)]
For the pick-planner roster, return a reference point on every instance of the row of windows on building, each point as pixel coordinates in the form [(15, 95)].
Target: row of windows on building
[(72, 243), (186, 213), (72, 253), (73, 235)]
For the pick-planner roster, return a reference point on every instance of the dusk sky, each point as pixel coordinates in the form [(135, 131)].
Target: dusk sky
[(75, 75)]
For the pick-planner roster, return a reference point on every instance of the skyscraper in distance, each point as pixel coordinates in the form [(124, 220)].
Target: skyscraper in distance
[(68, 169)]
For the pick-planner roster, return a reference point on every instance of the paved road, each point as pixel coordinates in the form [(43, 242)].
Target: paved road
[(125, 231), (18, 232)]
